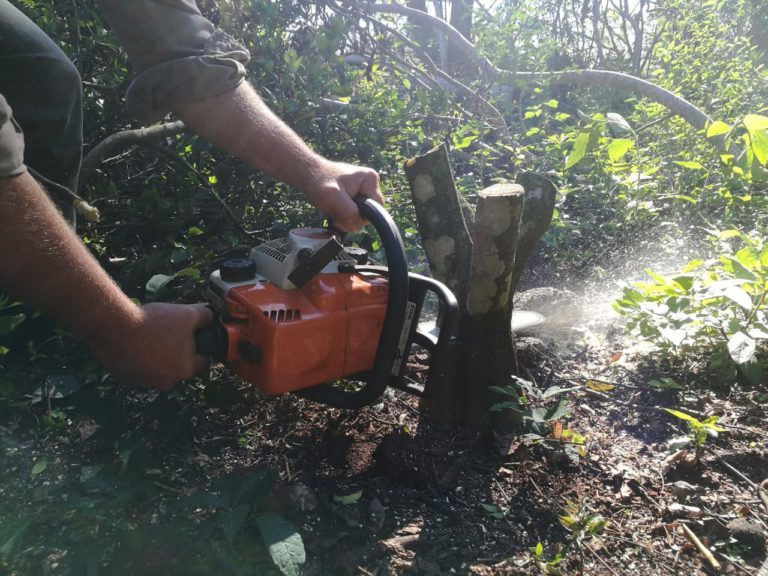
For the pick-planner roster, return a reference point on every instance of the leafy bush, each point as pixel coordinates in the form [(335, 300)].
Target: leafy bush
[(714, 309)]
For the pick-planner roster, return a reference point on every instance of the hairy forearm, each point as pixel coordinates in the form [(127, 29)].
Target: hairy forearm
[(241, 123), (43, 263)]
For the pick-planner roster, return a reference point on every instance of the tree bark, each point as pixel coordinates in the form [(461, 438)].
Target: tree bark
[(461, 19), (422, 34), (440, 218), (489, 301), (538, 207)]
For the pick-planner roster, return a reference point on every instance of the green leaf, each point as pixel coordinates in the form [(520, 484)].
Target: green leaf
[(738, 296), (283, 543), (717, 128), (764, 258), (711, 424), (757, 126), (39, 466), (760, 145), (690, 164), (741, 348), (9, 323), (494, 510), (682, 416), (506, 390), (664, 384), (560, 410), (754, 122), (748, 257), (619, 147), (349, 498), (726, 234), (156, 284), (190, 272), (753, 371), (579, 150), (231, 521), (195, 231), (619, 121)]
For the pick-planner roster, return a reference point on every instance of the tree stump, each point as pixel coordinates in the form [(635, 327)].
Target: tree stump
[(480, 255)]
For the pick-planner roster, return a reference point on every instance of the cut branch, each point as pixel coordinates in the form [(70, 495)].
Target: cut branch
[(538, 207), (440, 218), (489, 301), (122, 140)]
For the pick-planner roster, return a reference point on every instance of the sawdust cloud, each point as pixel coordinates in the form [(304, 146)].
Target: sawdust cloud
[(580, 311)]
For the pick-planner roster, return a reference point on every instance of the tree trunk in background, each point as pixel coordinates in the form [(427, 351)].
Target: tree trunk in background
[(480, 256), (461, 19), (423, 34)]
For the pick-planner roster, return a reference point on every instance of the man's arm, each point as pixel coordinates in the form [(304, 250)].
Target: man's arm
[(241, 123), (44, 263), (187, 66)]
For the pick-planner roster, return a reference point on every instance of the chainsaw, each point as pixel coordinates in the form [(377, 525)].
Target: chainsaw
[(305, 314)]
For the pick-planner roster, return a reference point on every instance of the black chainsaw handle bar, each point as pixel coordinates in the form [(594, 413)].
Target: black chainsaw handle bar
[(381, 374)]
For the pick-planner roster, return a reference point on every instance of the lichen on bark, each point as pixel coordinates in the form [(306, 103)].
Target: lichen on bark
[(423, 188), (439, 251)]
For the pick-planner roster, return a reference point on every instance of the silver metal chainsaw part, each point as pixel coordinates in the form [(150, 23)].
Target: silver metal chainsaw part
[(218, 288), (276, 259)]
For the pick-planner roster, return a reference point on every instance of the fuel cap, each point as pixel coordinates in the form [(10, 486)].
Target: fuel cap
[(359, 255), (237, 270)]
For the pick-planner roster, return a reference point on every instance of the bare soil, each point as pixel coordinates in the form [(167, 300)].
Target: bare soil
[(386, 491)]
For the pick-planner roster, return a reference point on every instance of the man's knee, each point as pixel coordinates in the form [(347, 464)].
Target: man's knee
[(63, 78)]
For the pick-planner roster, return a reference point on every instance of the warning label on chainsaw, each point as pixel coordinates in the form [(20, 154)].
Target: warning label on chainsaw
[(410, 308)]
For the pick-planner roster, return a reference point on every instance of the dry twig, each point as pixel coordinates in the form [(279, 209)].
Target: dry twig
[(700, 547)]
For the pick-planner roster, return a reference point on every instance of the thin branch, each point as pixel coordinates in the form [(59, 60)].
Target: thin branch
[(121, 140), (691, 113), (700, 547), (430, 64), (203, 180)]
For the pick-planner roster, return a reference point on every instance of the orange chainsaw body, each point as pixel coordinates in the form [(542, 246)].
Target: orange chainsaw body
[(328, 329)]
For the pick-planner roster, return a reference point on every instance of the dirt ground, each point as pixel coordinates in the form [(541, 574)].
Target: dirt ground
[(385, 491)]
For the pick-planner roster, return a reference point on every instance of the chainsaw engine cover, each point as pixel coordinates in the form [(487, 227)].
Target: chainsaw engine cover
[(282, 338)]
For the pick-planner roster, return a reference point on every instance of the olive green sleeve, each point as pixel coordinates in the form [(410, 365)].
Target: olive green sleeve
[(11, 143), (180, 56)]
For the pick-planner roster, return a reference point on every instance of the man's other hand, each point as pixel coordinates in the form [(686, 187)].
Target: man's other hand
[(331, 187), (155, 349)]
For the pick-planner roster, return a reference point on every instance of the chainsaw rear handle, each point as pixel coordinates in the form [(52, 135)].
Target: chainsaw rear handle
[(212, 340), (381, 374)]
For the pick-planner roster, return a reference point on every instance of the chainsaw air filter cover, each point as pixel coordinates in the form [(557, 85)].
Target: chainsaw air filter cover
[(275, 260)]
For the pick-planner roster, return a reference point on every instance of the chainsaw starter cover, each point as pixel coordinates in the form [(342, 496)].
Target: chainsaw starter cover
[(327, 330)]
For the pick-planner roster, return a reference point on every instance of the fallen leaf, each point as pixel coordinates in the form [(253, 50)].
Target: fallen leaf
[(599, 386), (349, 498), (39, 466)]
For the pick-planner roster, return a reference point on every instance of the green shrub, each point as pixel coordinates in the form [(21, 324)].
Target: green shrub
[(713, 310)]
